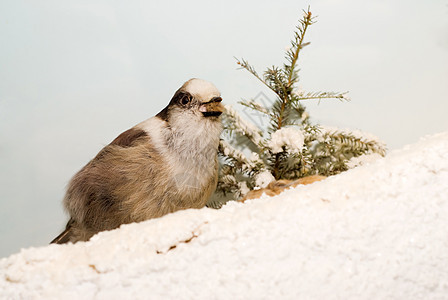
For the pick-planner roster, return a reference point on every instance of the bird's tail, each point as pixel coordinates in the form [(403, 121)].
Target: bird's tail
[(66, 235)]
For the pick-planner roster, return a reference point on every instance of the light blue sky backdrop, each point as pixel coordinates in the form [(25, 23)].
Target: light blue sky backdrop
[(74, 74)]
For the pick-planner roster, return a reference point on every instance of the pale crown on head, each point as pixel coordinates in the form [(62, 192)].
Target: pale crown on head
[(201, 89)]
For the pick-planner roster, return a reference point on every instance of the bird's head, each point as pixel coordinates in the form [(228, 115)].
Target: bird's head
[(192, 122), (196, 100)]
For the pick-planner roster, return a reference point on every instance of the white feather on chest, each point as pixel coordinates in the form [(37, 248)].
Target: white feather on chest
[(189, 147)]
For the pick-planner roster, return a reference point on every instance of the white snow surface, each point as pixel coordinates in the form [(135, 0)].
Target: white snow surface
[(379, 231), (357, 161)]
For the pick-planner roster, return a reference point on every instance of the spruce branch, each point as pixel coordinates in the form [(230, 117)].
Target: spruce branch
[(322, 95), (245, 65), (232, 154), (245, 128), (255, 106), (275, 78), (292, 55), (297, 44), (353, 141)]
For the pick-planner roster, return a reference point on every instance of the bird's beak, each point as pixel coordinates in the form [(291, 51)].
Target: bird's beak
[(212, 108)]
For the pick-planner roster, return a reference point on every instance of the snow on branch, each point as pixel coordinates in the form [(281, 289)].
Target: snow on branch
[(239, 125)]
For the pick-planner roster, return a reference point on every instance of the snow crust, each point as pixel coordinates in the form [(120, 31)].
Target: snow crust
[(379, 231)]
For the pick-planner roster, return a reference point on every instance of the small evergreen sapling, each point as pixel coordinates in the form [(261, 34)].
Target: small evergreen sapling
[(290, 147)]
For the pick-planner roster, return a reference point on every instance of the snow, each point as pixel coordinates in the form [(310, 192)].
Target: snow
[(357, 161), (291, 138), (263, 178), (244, 189), (379, 231)]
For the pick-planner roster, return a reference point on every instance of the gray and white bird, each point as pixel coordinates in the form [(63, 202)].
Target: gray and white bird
[(164, 164)]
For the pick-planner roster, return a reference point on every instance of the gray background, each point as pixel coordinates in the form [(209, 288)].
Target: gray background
[(73, 75)]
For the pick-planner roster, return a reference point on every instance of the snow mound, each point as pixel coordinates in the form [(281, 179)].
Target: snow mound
[(379, 231)]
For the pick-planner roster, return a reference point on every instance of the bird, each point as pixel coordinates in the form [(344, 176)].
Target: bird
[(166, 163)]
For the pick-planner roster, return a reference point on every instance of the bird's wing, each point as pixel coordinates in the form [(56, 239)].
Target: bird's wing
[(129, 138)]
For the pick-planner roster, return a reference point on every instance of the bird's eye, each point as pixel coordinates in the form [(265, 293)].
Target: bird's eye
[(185, 99)]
